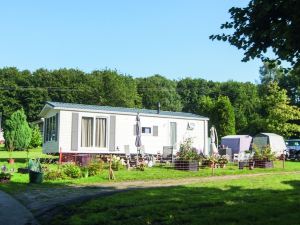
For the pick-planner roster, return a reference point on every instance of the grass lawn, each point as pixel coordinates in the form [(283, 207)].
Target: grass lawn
[(19, 182), (268, 199)]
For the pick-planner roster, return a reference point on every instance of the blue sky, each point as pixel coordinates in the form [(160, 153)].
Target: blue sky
[(135, 37)]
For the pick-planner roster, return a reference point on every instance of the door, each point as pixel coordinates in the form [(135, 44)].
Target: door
[(173, 134)]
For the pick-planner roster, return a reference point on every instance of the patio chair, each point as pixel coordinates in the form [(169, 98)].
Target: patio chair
[(167, 153)]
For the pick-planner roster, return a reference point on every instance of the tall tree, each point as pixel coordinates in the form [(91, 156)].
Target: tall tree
[(222, 116), (156, 89), (279, 116), (245, 99), (190, 90), (264, 25), (17, 132), (119, 90)]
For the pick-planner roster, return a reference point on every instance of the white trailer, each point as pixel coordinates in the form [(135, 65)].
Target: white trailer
[(78, 128)]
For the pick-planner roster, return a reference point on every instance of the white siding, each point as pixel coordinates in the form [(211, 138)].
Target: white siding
[(124, 135)]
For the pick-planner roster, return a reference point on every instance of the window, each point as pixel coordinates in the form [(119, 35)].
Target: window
[(87, 131), (50, 128), (292, 143), (100, 132), (146, 130)]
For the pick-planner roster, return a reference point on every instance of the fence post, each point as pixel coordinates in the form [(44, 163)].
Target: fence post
[(60, 155)]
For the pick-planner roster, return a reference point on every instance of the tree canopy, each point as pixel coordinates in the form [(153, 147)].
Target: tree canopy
[(265, 25), (245, 101)]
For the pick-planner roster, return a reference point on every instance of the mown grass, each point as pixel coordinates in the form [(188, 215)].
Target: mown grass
[(19, 181), (268, 199)]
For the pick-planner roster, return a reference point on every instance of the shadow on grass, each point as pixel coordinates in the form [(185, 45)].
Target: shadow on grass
[(233, 204)]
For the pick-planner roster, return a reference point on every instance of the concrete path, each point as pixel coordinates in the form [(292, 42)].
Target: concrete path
[(14, 213)]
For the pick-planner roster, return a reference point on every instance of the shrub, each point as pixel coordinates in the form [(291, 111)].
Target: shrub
[(36, 139), (264, 153), (17, 132), (35, 165), (72, 171), (116, 163), (95, 167), (223, 160), (187, 152), (54, 175), (5, 175)]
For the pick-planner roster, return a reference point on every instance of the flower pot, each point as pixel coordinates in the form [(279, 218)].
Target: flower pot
[(11, 161), (263, 164), (191, 165), (251, 165), (36, 177), (222, 165), (5, 177), (4, 180), (242, 165)]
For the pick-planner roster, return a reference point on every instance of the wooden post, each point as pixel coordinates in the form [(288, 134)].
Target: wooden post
[(283, 160), (111, 175), (60, 155)]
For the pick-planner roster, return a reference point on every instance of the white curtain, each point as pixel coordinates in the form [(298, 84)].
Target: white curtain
[(86, 132), (101, 132)]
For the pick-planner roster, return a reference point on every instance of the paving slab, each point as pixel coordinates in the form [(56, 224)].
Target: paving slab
[(13, 212)]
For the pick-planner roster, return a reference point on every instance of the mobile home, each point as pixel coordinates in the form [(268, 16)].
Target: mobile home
[(78, 128)]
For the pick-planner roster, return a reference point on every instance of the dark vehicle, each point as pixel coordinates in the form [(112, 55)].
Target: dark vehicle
[(293, 146)]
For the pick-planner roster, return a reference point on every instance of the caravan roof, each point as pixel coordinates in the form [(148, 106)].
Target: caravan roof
[(237, 143)]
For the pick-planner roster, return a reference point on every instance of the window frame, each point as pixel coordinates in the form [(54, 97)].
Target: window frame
[(93, 147), (144, 128), (51, 128)]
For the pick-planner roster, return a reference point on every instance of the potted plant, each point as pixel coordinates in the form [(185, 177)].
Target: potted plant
[(264, 157), (251, 164), (222, 161), (36, 174), (187, 158), (5, 177)]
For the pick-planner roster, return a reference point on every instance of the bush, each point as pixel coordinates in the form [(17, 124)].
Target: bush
[(72, 171), (95, 167), (264, 153), (116, 163), (54, 175), (187, 152), (17, 133), (36, 139)]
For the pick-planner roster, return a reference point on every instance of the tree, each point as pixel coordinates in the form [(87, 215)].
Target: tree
[(190, 90), (270, 73), (245, 99), (17, 132), (222, 116), (279, 116), (156, 89), (118, 90), (205, 106), (264, 25), (36, 139)]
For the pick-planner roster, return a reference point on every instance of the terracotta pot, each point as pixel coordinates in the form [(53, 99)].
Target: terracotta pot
[(222, 165), (11, 161)]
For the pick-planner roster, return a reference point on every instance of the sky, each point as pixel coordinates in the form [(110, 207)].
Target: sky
[(135, 37)]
